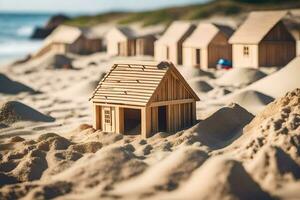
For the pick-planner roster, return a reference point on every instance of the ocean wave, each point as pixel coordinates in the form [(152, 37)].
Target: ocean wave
[(25, 31), (13, 48)]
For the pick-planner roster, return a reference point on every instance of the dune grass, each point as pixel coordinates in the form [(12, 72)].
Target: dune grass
[(192, 12)]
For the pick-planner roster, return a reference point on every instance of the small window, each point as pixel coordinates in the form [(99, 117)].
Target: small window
[(107, 118), (246, 51)]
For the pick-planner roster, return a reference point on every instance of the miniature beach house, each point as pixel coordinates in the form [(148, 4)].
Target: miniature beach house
[(68, 39), (206, 45), (169, 46), (125, 41), (143, 98), (262, 41)]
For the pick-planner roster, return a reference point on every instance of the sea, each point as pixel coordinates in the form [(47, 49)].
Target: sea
[(15, 32)]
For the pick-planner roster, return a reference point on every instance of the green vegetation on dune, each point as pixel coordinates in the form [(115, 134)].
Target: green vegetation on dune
[(192, 12), (96, 19)]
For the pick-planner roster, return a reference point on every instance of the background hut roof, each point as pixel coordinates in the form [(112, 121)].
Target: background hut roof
[(97, 32), (257, 26), (64, 34), (134, 84), (127, 32), (204, 34), (132, 32), (175, 32)]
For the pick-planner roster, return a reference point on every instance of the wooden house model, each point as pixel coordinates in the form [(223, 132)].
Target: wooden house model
[(206, 45), (169, 46), (125, 41), (67, 39), (143, 98), (263, 40)]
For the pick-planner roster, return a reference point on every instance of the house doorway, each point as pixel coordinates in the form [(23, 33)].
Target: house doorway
[(162, 118), (198, 57), (167, 53), (132, 121), (119, 48)]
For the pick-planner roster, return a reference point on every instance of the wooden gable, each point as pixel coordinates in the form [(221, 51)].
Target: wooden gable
[(173, 87), (279, 33)]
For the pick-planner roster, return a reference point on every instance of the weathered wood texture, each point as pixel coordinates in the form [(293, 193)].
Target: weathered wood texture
[(147, 88), (277, 48)]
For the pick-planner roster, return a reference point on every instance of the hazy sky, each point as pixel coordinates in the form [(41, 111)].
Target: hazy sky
[(87, 6)]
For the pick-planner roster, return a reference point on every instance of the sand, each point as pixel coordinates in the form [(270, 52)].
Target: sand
[(48, 148), (8, 86), (278, 83), (13, 111), (251, 100), (240, 77)]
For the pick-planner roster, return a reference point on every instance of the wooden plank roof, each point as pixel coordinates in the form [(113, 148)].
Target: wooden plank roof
[(175, 32), (205, 33), (256, 27), (64, 34), (134, 83)]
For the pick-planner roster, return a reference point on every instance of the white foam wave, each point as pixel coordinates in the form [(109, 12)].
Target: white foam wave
[(25, 31), (19, 48)]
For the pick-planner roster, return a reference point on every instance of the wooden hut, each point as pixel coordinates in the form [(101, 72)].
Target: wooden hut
[(206, 45), (143, 98), (121, 42), (169, 46), (125, 41), (263, 40), (68, 39), (145, 45)]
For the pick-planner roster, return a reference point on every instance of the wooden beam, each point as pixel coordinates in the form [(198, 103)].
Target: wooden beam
[(97, 117), (146, 122), (194, 117), (118, 105), (172, 102)]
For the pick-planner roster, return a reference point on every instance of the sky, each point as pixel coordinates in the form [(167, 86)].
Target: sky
[(88, 6)]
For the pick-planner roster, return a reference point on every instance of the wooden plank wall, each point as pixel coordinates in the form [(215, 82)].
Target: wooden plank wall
[(171, 89), (154, 119), (277, 48), (219, 48), (179, 116), (276, 53)]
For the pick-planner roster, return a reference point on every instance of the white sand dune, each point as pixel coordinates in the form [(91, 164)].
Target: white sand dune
[(164, 175), (251, 100), (8, 86), (201, 86), (220, 127), (56, 61), (83, 89), (277, 125), (239, 77), (220, 178), (280, 82), (192, 72), (268, 170), (13, 111)]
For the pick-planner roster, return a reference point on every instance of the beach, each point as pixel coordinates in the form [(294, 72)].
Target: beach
[(244, 142)]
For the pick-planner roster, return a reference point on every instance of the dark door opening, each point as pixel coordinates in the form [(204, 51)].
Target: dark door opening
[(119, 48), (197, 56), (132, 121), (168, 53), (162, 118)]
